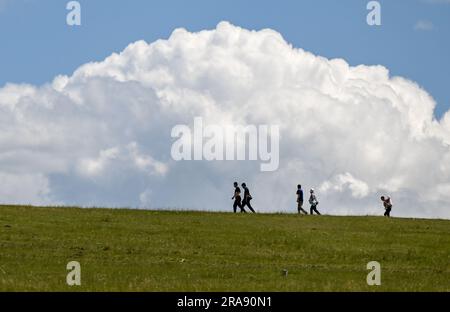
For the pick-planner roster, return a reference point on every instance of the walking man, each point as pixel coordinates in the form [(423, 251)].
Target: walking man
[(300, 200), (247, 198), (387, 203), (237, 198), (313, 202)]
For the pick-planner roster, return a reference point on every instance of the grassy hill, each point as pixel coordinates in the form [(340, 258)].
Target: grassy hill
[(131, 250)]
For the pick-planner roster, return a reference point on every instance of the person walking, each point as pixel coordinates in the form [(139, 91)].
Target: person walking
[(247, 198), (300, 200), (387, 203), (313, 202), (237, 198)]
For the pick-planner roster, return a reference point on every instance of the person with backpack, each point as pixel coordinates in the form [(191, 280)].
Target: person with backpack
[(387, 203), (237, 198), (247, 198), (300, 200), (313, 202)]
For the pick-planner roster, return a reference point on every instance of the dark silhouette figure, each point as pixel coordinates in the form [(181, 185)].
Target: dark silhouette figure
[(387, 203), (237, 198), (300, 200), (247, 198), (313, 202)]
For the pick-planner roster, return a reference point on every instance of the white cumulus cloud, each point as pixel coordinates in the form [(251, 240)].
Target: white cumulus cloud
[(341, 182), (102, 135)]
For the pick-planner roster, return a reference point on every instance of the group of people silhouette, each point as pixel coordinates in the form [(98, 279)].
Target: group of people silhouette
[(313, 202), (245, 201), (237, 198)]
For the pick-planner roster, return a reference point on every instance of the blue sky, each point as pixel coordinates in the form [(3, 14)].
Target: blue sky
[(36, 44)]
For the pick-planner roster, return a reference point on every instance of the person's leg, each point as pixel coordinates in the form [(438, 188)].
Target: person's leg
[(389, 212), (243, 203), (241, 206), (301, 208), (311, 210), (249, 205), (235, 204), (317, 211)]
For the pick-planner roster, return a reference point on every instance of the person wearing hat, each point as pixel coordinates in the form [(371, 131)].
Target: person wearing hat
[(313, 202), (387, 203), (247, 198)]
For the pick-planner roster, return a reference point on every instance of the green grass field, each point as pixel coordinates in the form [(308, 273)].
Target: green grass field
[(131, 250)]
